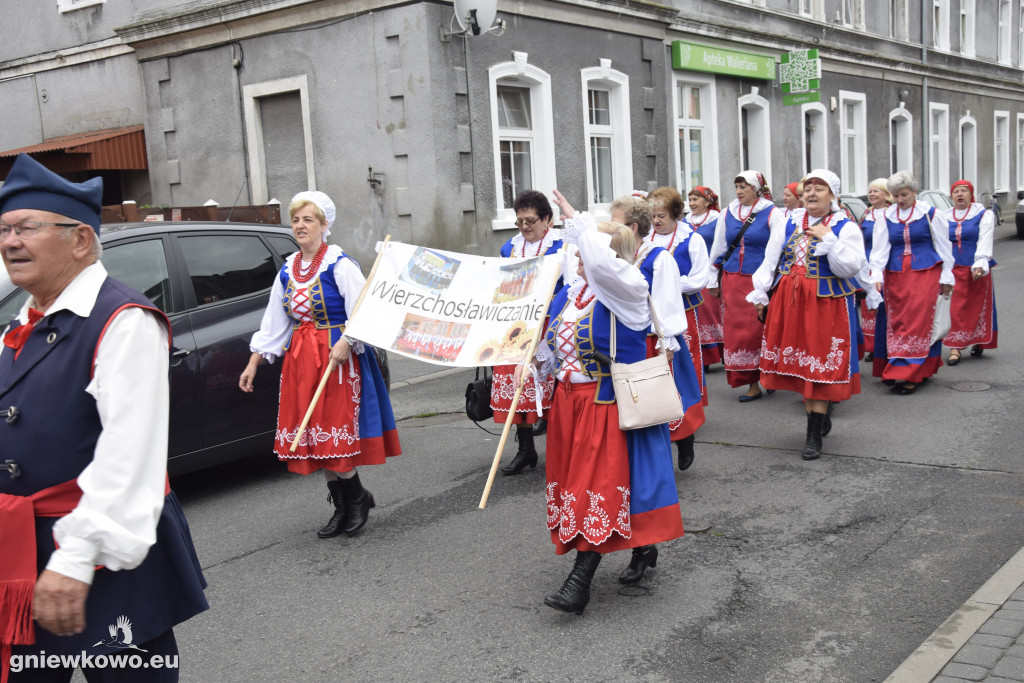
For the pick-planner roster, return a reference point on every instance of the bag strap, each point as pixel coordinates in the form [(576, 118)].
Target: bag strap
[(654, 317), (736, 242)]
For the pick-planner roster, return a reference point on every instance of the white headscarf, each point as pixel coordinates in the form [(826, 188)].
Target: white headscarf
[(323, 202), (831, 179)]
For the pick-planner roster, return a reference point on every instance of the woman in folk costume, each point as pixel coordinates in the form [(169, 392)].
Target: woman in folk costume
[(741, 236), (911, 263), (686, 248), (972, 310), (810, 331), (607, 489), (791, 194), (702, 220), (352, 425), (879, 200), (536, 237)]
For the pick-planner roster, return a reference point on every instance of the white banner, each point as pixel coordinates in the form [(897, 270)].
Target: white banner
[(454, 309)]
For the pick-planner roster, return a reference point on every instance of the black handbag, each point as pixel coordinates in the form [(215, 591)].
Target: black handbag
[(478, 398)]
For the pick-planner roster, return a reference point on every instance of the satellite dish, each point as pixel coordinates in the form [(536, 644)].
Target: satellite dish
[(475, 16)]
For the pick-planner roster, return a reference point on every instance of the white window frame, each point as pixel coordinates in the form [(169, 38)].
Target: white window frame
[(899, 20), (1020, 37), (1001, 151), (616, 84), (940, 25), (72, 5), (818, 137), (709, 135), (854, 183), (759, 115), (1020, 152), (938, 171), (967, 31), (905, 139), (254, 131), (968, 149), (812, 9), (519, 73), (1003, 25), (852, 14)]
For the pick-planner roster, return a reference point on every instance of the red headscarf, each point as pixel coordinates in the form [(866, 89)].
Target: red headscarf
[(967, 183), (708, 194)]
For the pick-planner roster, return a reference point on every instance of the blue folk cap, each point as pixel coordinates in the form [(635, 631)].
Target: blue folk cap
[(30, 185)]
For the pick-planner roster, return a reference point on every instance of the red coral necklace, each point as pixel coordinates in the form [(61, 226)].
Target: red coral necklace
[(300, 274)]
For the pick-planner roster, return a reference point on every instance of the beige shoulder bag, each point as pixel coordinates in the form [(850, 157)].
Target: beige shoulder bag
[(645, 391)]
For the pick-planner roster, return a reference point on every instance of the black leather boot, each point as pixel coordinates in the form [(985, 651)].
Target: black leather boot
[(826, 426), (526, 455), (812, 447), (685, 448), (574, 594), (643, 557), (337, 521), (358, 502), (541, 427)]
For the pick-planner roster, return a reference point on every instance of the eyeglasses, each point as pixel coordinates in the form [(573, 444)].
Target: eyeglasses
[(520, 222), (29, 229)]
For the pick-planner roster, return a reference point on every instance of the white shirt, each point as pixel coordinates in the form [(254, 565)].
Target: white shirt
[(845, 253), (940, 240), (276, 327), (115, 522), (986, 231)]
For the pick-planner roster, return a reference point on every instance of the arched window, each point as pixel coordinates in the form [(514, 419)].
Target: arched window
[(815, 136), (606, 132), (969, 149), (901, 140), (755, 135), (853, 148), (522, 132)]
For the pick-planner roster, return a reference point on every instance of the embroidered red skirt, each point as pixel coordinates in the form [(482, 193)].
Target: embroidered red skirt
[(808, 345), (910, 297), (503, 390), (867, 325), (331, 440), (741, 330), (709, 329), (588, 480), (972, 311)]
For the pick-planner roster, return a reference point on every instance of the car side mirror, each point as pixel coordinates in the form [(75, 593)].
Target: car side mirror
[(1020, 194)]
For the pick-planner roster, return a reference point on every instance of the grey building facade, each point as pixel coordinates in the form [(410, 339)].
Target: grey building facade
[(426, 136)]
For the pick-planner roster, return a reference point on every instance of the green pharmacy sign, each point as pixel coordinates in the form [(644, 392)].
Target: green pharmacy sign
[(800, 76), (694, 57)]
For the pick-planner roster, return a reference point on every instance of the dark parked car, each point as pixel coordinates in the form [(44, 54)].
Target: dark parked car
[(213, 281), (857, 204), (937, 198)]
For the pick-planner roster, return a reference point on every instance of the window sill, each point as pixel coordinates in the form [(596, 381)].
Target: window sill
[(65, 6)]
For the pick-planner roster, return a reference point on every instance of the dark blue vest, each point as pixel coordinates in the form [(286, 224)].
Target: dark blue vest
[(922, 251), (969, 233), (867, 227), (54, 439), (755, 239), (817, 266), (593, 332), (325, 299)]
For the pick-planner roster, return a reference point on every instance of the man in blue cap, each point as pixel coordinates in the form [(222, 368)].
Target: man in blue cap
[(94, 545)]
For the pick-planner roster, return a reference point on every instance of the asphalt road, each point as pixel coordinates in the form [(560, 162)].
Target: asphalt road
[(833, 570)]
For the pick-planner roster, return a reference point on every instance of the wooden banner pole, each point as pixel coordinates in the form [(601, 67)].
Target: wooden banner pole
[(331, 365), (515, 402)]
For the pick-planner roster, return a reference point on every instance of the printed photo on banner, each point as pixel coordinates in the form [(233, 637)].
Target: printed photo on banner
[(415, 305), (430, 269), (517, 281), (430, 338)]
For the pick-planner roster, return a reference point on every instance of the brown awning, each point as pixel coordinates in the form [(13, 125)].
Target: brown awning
[(112, 149)]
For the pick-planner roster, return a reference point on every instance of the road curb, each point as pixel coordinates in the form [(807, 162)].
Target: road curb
[(426, 378), (927, 661)]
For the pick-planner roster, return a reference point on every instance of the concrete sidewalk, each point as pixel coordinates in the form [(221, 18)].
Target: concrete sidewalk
[(981, 641)]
